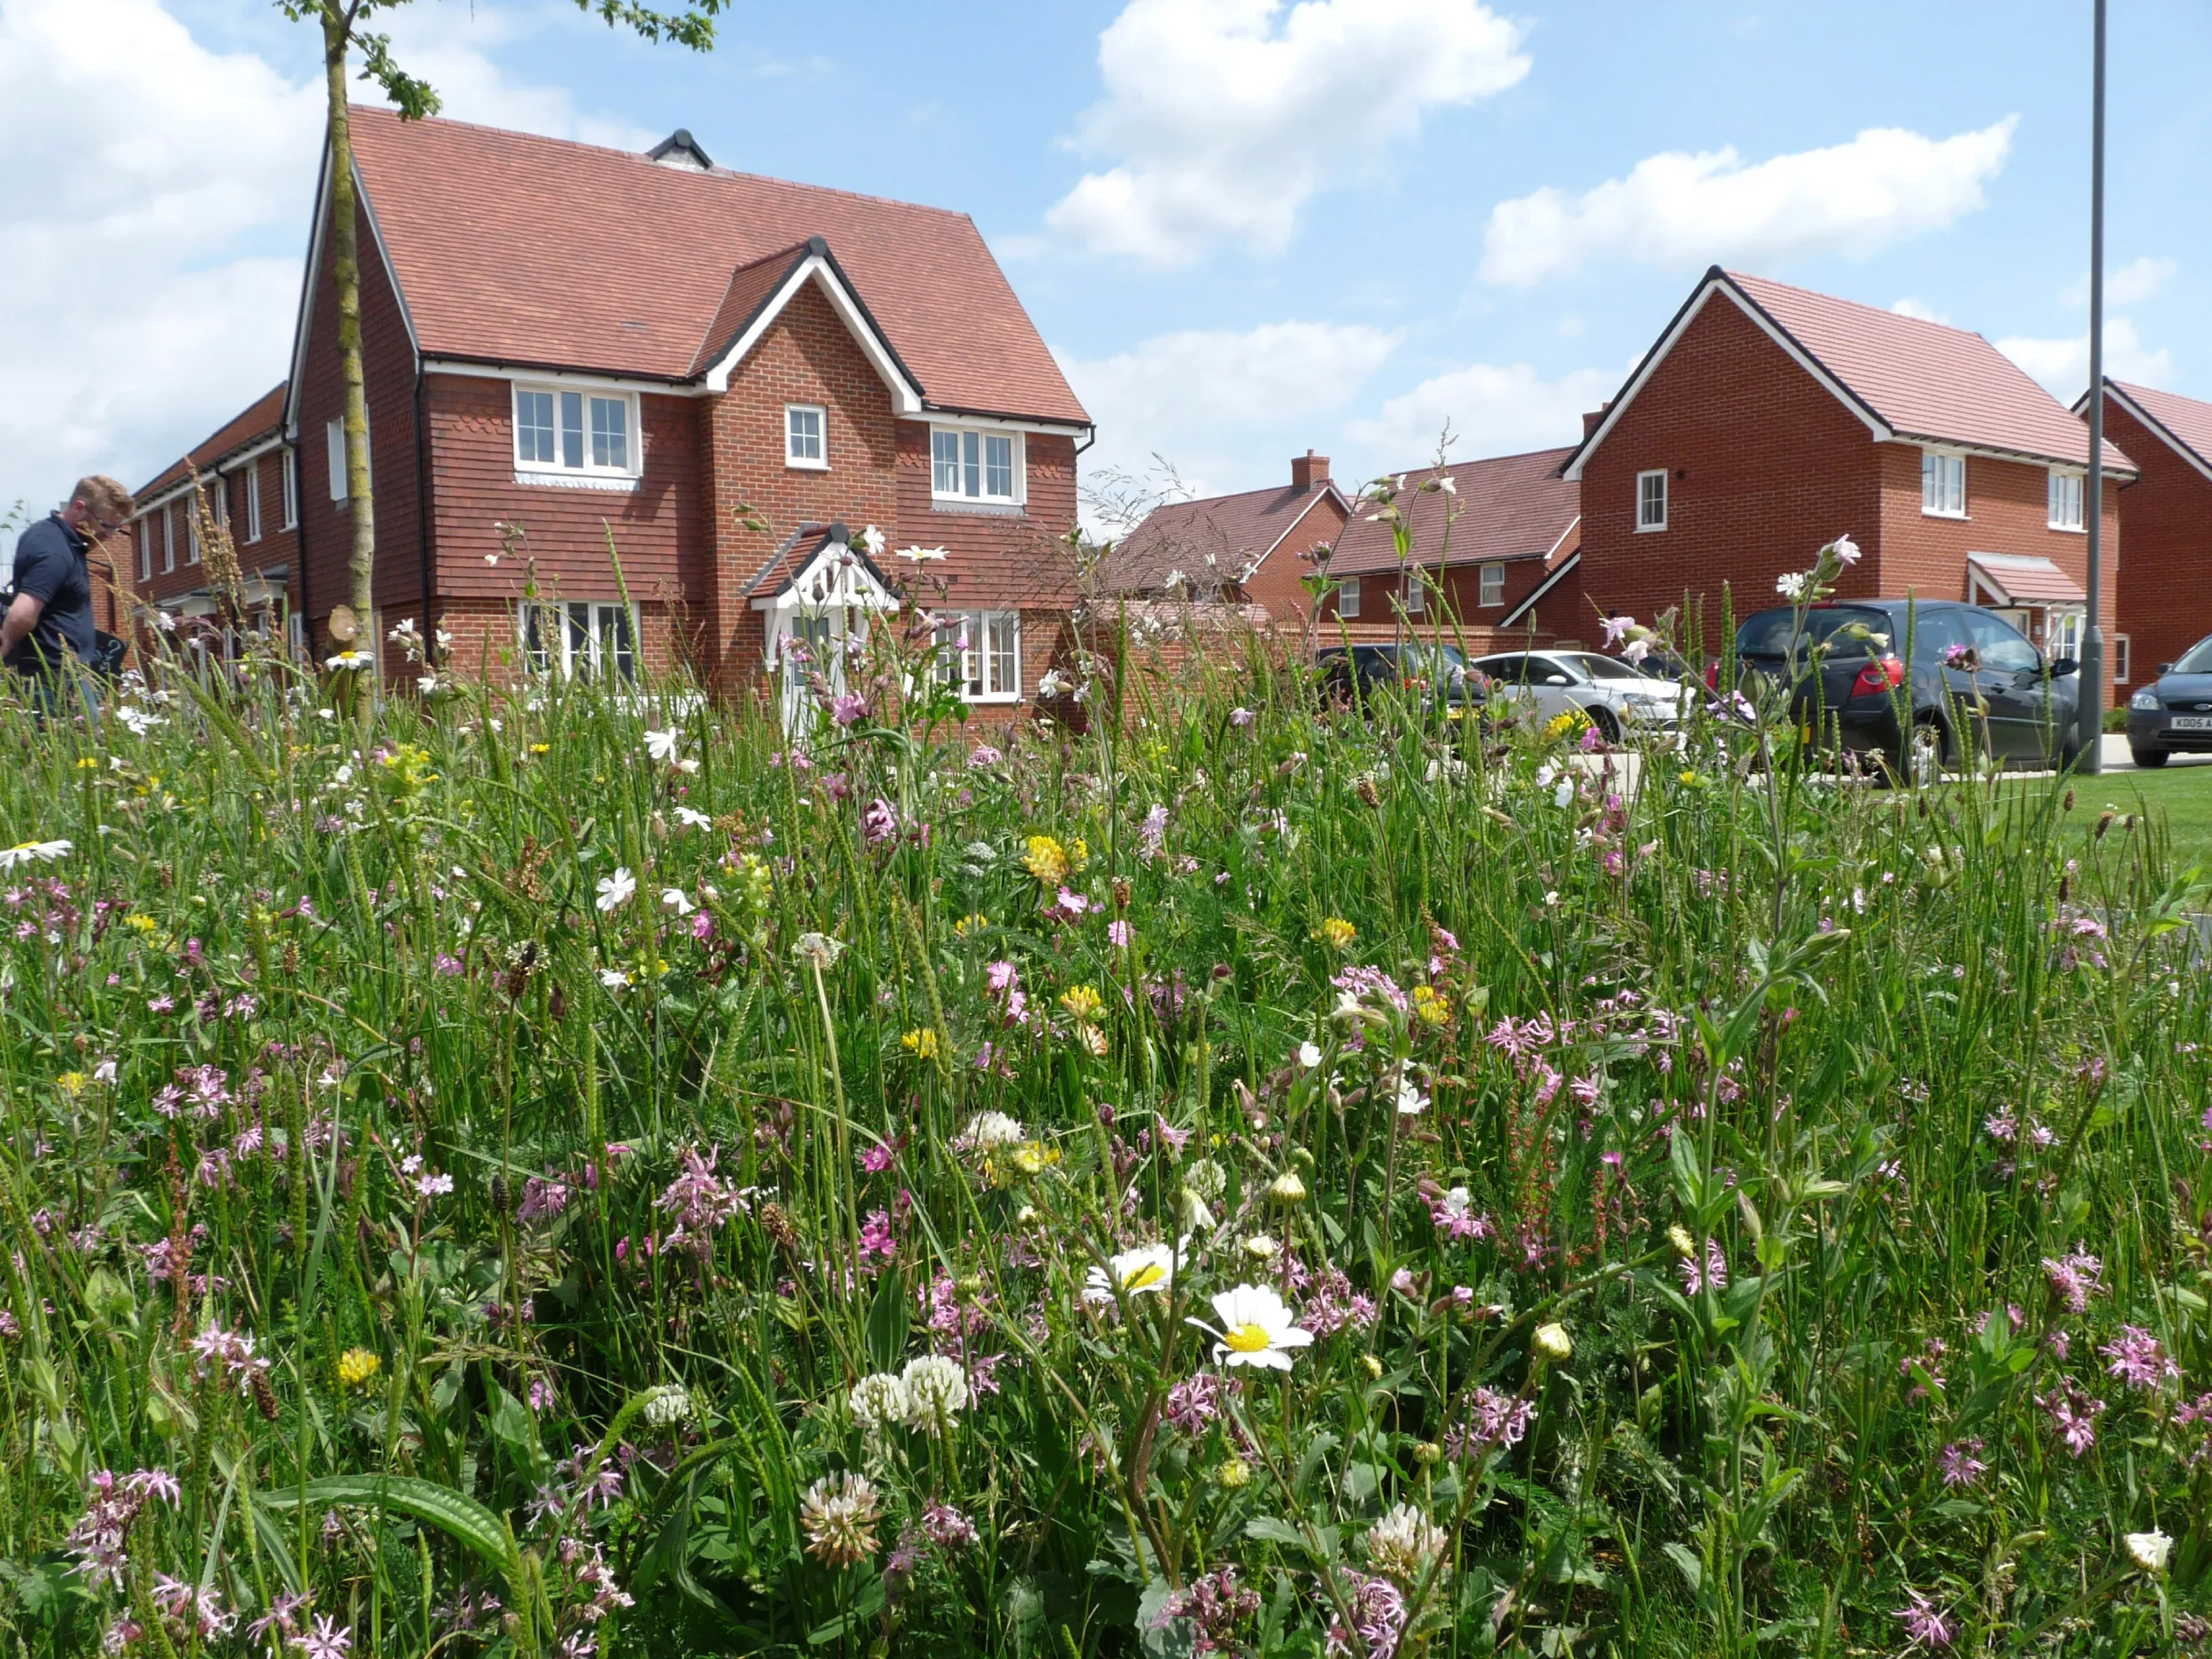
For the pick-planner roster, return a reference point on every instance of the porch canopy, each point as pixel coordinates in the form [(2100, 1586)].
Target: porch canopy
[(2010, 580)]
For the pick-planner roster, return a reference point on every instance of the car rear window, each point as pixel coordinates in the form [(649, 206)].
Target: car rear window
[(1768, 633)]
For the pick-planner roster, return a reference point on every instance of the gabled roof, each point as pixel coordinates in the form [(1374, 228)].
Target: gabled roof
[(1506, 507), (818, 565), (1237, 531), (259, 420), (1905, 378), (509, 248), (2184, 423), (755, 297)]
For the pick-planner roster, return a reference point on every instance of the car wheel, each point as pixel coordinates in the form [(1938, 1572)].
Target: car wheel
[(1608, 722), (2150, 759)]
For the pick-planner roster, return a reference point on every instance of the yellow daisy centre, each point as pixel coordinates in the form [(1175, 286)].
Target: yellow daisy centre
[(1144, 1278), (1247, 1339)]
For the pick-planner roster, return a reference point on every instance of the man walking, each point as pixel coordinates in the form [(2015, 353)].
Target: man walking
[(46, 634)]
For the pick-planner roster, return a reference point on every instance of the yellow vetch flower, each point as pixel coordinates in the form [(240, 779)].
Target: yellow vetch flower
[(1046, 860), (1337, 933), (1033, 1158), (920, 1042), (1428, 1007), (1082, 1000), (72, 1082), (973, 921), (1565, 725), (356, 1367)]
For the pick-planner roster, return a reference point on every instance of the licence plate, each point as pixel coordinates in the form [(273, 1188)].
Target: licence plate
[(2190, 723)]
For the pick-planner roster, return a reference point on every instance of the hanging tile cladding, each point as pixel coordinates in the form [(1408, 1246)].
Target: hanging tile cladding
[(2165, 584), (1009, 560), (388, 366), (566, 529)]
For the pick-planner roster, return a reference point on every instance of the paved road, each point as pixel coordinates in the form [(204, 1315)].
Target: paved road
[(2117, 758)]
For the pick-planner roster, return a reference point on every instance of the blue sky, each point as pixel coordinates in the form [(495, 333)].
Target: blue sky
[(1245, 228)]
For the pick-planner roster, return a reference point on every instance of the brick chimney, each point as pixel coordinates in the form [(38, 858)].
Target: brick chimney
[(1309, 471), (1590, 420)]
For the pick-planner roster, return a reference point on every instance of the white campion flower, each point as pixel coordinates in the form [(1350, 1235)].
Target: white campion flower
[(1256, 1328), (427, 685), (661, 746), (2150, 1549), (1791, 585), (33, 852), (872, 541), (877, 1401), (1845, 549), (691, 817), (614, 979), (1133, 1274), (1411, 1101), (1054, 684), (615, 890), (936, 1390), (677, 900), (1309, 1055), (923, 554)]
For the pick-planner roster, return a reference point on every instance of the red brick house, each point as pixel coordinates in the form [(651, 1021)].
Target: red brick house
[(1767, 420), (2166, 518), (246, 473), (570, 347), (1485, 555), (1252, 547)]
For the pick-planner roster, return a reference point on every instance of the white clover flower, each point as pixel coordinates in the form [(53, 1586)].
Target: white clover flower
[(666, 1407), (1134, 1273), (936, 1390), (2150, 1549), (33, 852), (662, 746), (986, 1129), (1256, 1328), (877, 1401), (816, 951), (615, 890), (1404, 1544), (839, 1515)]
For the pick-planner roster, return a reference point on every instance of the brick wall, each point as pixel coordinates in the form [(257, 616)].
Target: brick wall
[(1765, 465), (2165, 585), (1279, 582)]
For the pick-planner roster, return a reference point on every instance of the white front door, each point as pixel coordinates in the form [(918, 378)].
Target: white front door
[(811, 648)]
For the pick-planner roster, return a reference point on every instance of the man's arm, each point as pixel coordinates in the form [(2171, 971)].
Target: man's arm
[(22, 617)]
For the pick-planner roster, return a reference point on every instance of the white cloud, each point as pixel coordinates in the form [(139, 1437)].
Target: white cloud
[(2063, 366), (1493, 408), (448, 48), (1675, 209), (156, 203), (2130, 285), (1219, 405), (1224, 118), (1911, 307)]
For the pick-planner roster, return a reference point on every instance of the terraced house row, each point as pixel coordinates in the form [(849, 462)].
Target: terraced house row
[(635, 407)]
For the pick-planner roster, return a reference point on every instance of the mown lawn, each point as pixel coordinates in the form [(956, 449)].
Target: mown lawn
[(2181, 793)]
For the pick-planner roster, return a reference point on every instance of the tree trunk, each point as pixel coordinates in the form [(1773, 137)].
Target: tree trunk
[(346, 268)]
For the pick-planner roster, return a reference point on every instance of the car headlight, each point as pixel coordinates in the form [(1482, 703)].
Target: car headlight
[(2144, 699)]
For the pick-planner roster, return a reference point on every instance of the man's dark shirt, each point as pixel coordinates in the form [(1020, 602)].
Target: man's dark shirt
[(50, 566)]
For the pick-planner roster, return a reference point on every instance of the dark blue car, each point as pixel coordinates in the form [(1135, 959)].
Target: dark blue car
[(2173, 714)]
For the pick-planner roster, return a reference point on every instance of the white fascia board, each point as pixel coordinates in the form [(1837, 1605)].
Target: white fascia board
[(1563, 534), (996, 423), (1713, 284), (274, 441), (582, 381), (1988, 452), (906, 398), (1319, 495)]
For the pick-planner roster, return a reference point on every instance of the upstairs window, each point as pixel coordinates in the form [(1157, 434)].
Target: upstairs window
[(1942, 484), (1651, 500), (191, 531), (168, 538), (291, 475), (253, 500), (1347, 598), (969, 465), (580, 434), (2066, 498), (145, 549), (334, 440), (803, 425), (981, 651), (1491, 590), (1416, 593)]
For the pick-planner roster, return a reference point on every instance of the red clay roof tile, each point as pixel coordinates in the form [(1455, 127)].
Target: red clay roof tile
[(511, 248), (255, 421), (2187, 420), (1235, 531), (1507, 507)]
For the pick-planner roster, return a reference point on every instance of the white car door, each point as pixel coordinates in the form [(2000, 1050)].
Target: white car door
[(1554, 687)]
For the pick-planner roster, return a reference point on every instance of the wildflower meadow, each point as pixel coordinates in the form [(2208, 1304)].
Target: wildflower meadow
[(577, 1169)]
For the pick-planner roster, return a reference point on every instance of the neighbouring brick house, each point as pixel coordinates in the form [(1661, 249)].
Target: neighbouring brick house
[(1767, 420), (2166, 519), (1253, 547), (1485, 556), (246, 475), (569, 347)]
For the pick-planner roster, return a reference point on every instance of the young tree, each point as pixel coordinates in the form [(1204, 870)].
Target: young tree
[(343, 24)]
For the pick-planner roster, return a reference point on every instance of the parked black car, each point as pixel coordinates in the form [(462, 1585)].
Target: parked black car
[(1897, 676), (1354, 674), (2173, 714)]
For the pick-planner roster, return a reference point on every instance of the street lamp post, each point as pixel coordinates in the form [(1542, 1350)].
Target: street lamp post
[(2093, 648)]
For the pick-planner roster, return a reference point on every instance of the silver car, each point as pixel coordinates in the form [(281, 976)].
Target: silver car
[(1616, 696)]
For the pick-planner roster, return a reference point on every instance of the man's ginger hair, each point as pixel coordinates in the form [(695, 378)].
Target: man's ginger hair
[(107, 498)]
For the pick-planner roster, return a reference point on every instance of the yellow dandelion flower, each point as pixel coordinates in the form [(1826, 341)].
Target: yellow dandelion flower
[(1046, 860), (540, 749), (72, 1082), (921, 1043), (357, 1367), (1082, 1000), (1565, 725), (1337, 933)]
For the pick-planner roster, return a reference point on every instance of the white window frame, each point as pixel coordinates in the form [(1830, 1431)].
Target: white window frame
[(253, 500), (977, 440), (1490, 587), (1347, 598), (2120, 664), (2067, 486), (581, 625), (976, 667), (291, 480), (586, 472), (1939, 470), (1645, 522), (1417, 592), (145, 547), (168, 537), (192, 528), (818, 462), (219, 500)]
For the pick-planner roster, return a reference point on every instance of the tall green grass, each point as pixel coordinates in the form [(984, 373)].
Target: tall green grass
[(427, 1235)]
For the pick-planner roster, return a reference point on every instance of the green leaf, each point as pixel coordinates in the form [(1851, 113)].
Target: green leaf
[(1270, 1529), (1693, 1569), (458, 1515)]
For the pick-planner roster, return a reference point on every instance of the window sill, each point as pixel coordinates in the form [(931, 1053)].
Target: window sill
[(982, 509), (2069, 529), (997, 700), (791, 466), (1649, 529), (1955, 517), (576, 480)]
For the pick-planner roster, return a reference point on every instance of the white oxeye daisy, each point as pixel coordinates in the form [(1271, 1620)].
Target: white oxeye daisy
[(346, 662), (33, 852), (1133, 1272), (1256, 1328)]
